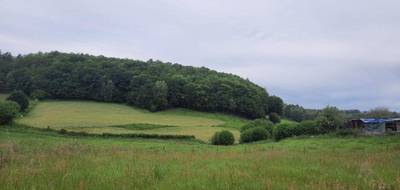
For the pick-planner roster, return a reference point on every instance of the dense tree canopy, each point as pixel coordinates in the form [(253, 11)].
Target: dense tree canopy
[(20, 98), (8, 111), (152, 85)]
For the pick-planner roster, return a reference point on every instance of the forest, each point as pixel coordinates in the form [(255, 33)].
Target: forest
[(153, 85)]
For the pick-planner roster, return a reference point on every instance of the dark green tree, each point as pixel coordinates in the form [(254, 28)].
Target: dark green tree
[(274, 117), (223, 138), (275, 105), (8, 111), (20, 98), (294, 112), (330, 119)]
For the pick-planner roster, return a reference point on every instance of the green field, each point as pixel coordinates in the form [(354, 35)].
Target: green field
[(96, 117), (33, 159)]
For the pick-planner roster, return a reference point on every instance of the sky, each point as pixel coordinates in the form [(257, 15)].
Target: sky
[(343, 53)]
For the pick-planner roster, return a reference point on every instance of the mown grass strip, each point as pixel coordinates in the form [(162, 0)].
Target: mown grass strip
[(65, 132), (141, 126)]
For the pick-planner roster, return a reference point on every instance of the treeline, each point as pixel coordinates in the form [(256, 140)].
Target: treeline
[(298, 113), (152, 85)]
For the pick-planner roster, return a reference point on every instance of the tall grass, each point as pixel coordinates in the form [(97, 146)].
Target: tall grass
[(41, 160)]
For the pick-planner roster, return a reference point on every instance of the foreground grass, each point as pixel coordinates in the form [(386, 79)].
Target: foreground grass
[(41, 160), (96, 117)]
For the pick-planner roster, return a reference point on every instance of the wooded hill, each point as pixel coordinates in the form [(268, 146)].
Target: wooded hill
[(153, 85)]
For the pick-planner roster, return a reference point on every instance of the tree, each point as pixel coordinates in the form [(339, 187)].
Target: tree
[(107, 91), (160, 94), (20, 80), (274, 117), (223, 138), (152, 96), (294, 112), (152, 85), (275, 104), (380, 112), (20, 98), (8, 111), (330, 118), (39, 94)]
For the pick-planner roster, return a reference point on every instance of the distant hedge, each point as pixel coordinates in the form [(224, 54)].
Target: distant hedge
[(132, 135), (254, 134)]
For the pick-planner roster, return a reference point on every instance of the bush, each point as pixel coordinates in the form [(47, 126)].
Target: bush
[(274, 117), (348, 132), (223, 138), (21, 99), (8, 111), (129, 135), (254, 134), (39, 94), (285, 130), (330, 119), (258, 123), (308, 127)]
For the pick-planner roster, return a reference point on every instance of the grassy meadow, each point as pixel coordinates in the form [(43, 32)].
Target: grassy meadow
[(96, 117), (33, 159)]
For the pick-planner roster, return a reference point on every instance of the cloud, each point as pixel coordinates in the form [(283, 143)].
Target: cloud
[(313, 53)]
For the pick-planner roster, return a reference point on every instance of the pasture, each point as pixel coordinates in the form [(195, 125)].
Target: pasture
[(33, 159), (96, 117)]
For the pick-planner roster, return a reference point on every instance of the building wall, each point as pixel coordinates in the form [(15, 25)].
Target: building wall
[(374, 128)]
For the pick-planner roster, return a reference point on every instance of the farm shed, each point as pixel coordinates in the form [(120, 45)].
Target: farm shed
[(377, 126), (393, 124)]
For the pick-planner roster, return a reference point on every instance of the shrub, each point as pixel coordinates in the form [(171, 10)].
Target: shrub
[(285, 130), (308, 127), (331, 118), (254, 134), (348, 132), (39, 94), (223, 138), (274, 117), (8, 111), (62, 131), (21, 99), (258, 123)]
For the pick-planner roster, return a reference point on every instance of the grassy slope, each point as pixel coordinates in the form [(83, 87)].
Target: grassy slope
[(39, 160), (96, 117)]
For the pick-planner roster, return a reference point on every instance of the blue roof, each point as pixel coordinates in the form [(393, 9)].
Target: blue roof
[(373, 120)]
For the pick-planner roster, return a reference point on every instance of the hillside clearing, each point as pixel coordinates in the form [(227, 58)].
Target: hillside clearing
[(96, 117)]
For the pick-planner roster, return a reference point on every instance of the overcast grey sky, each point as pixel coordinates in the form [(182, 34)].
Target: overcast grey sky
[(310, 52)]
